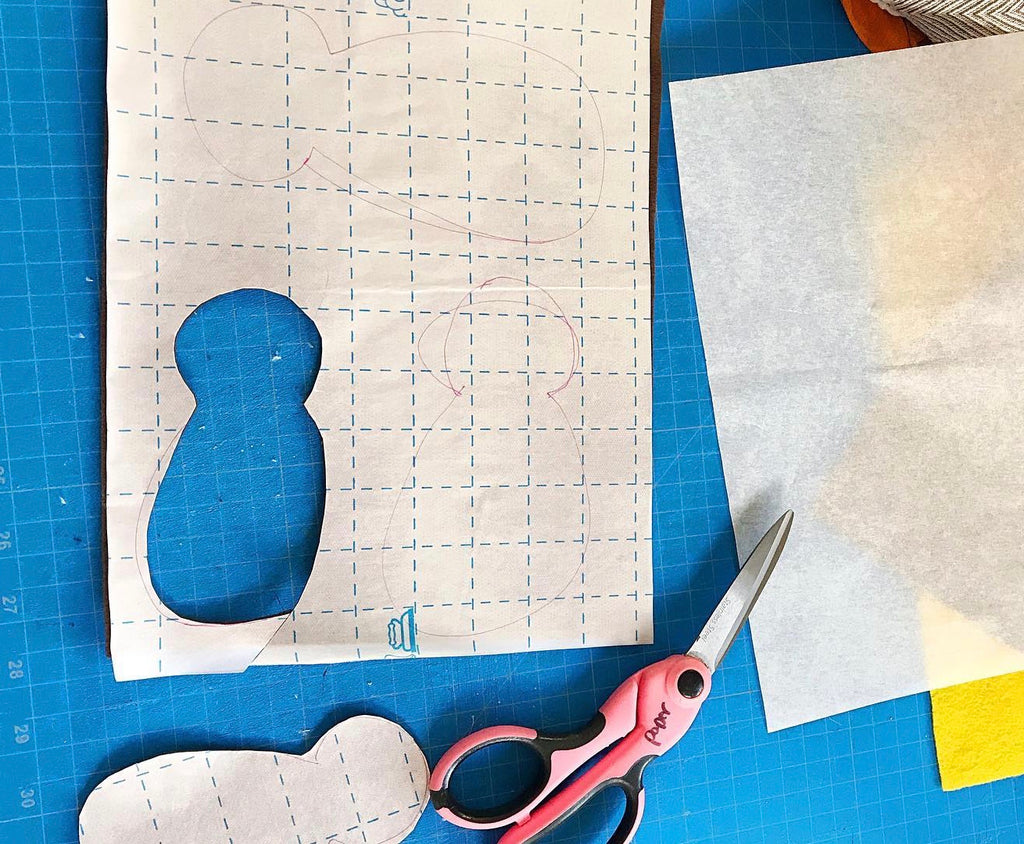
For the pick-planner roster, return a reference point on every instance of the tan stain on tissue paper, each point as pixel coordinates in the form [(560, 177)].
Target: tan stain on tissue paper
[(944, 227)]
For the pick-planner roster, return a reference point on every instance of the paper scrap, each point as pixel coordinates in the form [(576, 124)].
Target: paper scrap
[(857, 257), (364, 782), (458, 198), (979, 731)]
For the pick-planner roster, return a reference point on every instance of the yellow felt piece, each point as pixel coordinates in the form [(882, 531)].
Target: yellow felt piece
[(979, 730)]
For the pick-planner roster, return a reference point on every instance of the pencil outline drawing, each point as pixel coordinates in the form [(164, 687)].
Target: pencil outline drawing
[(327, 167), (470, 301)]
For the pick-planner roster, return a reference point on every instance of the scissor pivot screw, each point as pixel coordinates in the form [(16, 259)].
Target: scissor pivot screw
[(690, 683)]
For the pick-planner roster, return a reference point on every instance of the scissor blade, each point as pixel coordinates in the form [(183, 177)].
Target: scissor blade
[(722, 628)]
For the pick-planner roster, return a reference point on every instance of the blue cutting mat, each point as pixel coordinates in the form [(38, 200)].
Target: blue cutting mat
[(65, 723)]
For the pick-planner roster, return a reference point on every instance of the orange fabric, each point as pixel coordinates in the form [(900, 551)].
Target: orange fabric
[(878, 29)]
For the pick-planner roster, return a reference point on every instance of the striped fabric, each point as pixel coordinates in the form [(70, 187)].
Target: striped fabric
[(955, 20)]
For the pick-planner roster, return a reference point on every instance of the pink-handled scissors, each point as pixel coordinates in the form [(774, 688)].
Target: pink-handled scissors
[(649, 712)]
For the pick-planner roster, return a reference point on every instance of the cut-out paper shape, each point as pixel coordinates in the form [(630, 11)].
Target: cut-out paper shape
[(243, 495), (364, 782), (461, 208)]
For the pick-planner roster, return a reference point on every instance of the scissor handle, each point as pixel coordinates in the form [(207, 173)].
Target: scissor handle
[(622, 768), (669, 695), (554, 750), (650, 711)]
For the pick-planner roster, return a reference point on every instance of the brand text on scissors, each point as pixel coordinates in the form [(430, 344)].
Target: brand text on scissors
[(660, 722)]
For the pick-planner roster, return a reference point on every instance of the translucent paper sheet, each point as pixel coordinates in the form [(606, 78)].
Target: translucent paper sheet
[(364, 782), (855, 237), (457, 195)]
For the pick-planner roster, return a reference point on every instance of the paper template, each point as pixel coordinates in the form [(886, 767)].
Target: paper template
[(855, 238), (364, 782), (457, 195)]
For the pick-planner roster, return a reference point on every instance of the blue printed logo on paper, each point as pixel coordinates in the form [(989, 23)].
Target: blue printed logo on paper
[(399, 8), (402, 632)]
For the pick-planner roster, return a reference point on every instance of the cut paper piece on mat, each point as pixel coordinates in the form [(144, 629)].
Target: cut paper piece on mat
[(462, 210), (857, 256), (979, 731), (364, 782)]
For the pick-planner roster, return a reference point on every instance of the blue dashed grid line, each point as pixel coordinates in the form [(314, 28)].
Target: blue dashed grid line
[(868, 776)]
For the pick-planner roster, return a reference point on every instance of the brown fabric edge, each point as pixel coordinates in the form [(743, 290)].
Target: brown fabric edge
[(104, 540), (657, 17)]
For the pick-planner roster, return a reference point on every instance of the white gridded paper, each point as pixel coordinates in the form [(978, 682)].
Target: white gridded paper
[(364, 782), (457, 195)]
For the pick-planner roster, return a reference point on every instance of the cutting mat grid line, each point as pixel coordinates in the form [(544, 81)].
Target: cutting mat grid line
[(868, 776)]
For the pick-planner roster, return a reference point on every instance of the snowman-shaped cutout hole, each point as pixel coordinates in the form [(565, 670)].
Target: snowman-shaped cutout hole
[(237, 516)]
